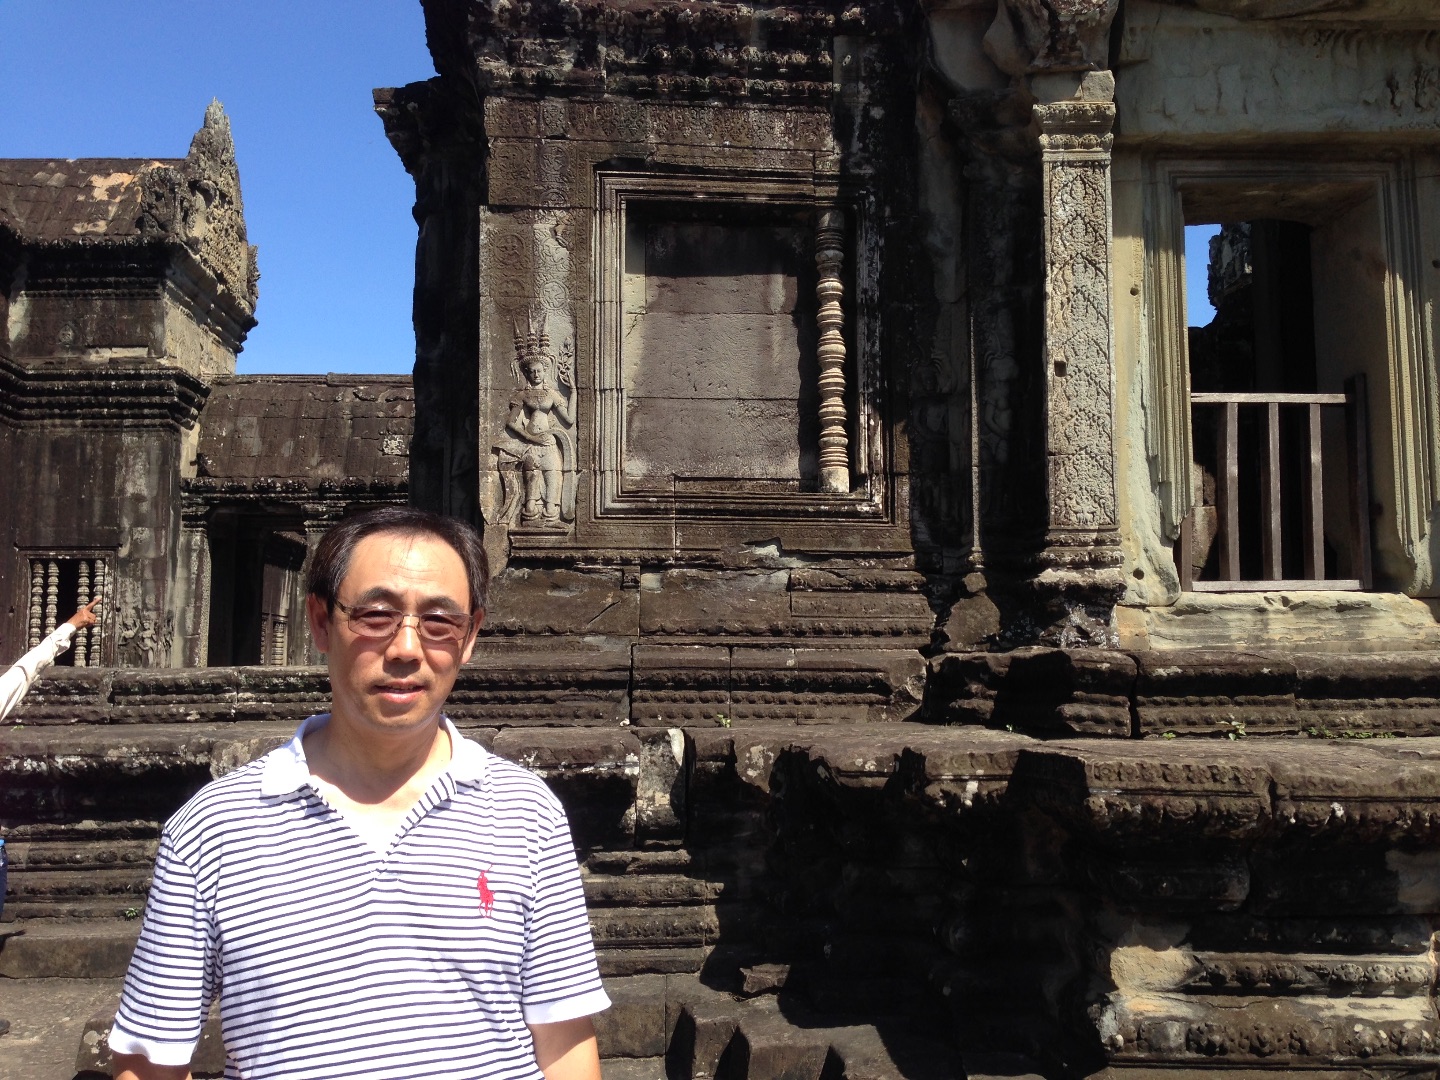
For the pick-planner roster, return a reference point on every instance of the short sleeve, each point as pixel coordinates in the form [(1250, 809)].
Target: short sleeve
[(173, 972), (560, 976)]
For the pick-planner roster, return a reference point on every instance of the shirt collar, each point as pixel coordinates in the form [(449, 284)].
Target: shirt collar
[(287, 772)]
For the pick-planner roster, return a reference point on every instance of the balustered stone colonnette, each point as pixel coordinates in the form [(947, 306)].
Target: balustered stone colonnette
[(907, 894)]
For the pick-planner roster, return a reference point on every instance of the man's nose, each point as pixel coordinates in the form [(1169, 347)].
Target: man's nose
[(406, 642)]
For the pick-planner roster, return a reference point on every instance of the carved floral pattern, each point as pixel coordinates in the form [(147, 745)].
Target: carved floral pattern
[(1082, 471)]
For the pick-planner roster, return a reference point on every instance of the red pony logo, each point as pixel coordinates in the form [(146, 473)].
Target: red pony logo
[(487, 898)]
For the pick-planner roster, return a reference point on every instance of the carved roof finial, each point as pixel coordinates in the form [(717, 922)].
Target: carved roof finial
[(213, 143)]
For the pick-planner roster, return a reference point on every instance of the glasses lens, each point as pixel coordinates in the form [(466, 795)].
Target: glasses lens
[(443, 626), (375, 621)]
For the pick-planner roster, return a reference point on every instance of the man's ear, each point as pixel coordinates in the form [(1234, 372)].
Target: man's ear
[(474, 634), (318, 615)]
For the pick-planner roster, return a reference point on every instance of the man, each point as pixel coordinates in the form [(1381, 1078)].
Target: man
[(380, 897)]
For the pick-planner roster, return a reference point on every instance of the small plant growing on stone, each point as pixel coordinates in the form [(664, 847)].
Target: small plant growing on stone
[(1167, 735), (132, 913), (1326, 733), (722, 719), (1237, 729)]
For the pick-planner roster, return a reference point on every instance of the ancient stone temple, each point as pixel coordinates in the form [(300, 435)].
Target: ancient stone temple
[(954, 662), (127, 287)]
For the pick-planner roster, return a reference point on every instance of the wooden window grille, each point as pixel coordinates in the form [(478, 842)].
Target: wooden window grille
[(59, 585), (1233, 532)]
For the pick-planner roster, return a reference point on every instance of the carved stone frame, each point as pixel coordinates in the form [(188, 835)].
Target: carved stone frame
[(868, 499), (1409, 397)]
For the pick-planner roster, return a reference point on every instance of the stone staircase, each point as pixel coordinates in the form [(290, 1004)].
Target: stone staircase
[(893, 901), (709, 978)]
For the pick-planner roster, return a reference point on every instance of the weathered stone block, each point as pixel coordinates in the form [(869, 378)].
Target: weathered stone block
[(680, 685), (707, 437), (660, 789), (532, 681), (1363, 695), (1372, 793), (78, 695), (634, 1025), (553, 601), (1225, 693), (667, 960), (1079, 691), (1124, 795), (706, 602), (58, 949), (651, 928), (593, 777), (962, 688), (1209, 84), (547, 173), (825, 685)]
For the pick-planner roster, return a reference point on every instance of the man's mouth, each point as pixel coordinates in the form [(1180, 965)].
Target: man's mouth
[(399, 691)]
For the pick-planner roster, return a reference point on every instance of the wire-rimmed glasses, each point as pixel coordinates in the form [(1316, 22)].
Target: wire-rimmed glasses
[(382, 623)]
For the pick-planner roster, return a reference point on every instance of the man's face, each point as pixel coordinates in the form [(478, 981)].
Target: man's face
[(399, 683)]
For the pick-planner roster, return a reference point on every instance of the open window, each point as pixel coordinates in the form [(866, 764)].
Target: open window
[(1294, 436), (1300, 516)]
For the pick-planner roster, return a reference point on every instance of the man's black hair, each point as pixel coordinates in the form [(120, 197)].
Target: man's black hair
[(332, 555)]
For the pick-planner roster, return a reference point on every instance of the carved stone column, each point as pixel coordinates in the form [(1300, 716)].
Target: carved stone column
[(1080, 575), (1081, 540), (834, 443)]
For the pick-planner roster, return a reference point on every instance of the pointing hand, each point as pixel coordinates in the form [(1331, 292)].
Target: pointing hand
[(85, 616)]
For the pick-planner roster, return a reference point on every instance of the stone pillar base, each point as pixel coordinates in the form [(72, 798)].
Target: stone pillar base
[(1077, 583)]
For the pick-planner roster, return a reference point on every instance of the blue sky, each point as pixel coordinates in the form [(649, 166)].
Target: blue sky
[(326, 198), (1197, 277)]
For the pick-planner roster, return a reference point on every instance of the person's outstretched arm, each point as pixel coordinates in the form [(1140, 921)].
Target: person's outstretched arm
[(23, 672)]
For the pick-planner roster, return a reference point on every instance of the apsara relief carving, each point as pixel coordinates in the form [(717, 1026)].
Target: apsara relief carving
[(535, 452)]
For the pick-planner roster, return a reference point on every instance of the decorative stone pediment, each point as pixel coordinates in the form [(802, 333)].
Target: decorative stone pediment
[(197, 202)]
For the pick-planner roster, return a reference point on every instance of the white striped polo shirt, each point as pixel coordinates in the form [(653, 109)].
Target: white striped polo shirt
[(333, 961)]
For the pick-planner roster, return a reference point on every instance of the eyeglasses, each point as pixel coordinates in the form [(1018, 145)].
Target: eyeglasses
[(382, 623)]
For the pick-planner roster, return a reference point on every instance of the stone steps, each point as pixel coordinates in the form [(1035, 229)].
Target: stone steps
[(669, 1028), (67, 948)]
